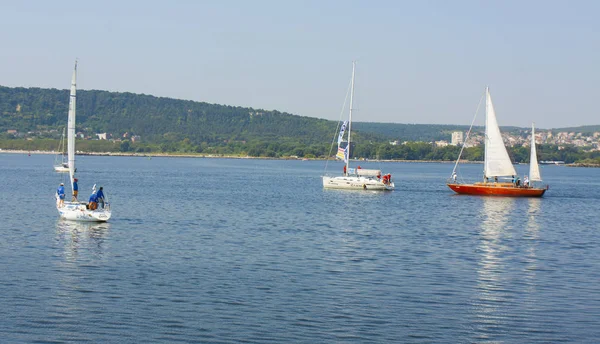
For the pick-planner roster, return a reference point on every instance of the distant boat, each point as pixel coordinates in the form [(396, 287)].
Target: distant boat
[(74, 210), (355, 178), (551, 162), (61, 163), (497, 164)]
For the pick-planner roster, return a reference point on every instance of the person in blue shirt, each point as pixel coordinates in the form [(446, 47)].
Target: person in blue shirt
[(61, 194), (75, 190), (93, 202), (100, 197)]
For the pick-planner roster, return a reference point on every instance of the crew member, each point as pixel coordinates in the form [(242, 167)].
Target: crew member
[(61, 194), (93, 202), (75, 190), (100, 197)]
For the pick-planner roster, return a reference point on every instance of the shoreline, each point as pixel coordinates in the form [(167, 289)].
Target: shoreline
[(213, 156)]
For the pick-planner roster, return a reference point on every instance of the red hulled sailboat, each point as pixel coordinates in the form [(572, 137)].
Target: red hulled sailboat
[(497, 164)]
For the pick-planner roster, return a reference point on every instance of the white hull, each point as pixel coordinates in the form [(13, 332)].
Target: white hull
[(77, 212), (61, 169), (356, 183)]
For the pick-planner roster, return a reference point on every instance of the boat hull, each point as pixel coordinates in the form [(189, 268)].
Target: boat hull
[(496, 189), (78, 212), (61, 169), (356, 183)]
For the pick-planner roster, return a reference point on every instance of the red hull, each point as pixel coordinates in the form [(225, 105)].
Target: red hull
[(499, 189)]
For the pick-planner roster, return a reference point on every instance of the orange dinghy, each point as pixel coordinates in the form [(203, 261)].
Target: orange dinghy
[(497, 164)]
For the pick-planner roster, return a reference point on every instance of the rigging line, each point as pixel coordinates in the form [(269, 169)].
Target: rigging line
[(338, 125), (468, 134)]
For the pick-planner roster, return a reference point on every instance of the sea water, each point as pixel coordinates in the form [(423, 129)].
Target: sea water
[(256, 251)]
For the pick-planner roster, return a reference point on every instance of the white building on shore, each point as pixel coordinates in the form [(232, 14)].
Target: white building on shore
[(457, 138)]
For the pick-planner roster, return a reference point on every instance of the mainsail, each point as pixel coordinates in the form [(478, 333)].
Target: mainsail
[(534, 169), (497, 161), (71, 125)]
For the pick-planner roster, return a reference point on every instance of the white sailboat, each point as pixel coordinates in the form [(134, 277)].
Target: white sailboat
[(75, 210), (61, 164), (355, 178)]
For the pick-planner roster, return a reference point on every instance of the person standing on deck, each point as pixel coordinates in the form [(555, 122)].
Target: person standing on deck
[(61, 194), (75, 190), (100, 197)]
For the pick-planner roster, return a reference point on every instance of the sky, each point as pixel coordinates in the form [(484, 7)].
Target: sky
[(423, 62)]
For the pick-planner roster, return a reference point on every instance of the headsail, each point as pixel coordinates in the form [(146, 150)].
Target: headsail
[(341, 153), (497, 161), (71, 125), (534, 169)]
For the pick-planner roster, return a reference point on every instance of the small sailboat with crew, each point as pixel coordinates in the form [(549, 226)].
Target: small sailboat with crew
[(355, 178), (76, 210), (61, 163), (498, 166)]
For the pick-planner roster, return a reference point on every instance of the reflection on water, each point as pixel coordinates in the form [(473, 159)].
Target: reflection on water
[(495, 214), (79, 237), (492, 283), (531, 236)]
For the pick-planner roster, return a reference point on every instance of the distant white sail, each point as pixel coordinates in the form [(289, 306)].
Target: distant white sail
[(534, 169), (497, 161)]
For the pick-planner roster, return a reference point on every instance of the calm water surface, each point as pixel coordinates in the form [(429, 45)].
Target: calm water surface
[(230, 251)]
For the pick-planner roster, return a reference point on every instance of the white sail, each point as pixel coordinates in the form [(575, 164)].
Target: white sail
[(534, 169), (71, 125), (497, 161)]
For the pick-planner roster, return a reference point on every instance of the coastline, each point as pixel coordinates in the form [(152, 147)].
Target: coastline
[(213, 156)]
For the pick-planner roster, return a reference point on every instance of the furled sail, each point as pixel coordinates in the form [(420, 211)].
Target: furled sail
[(497, 161)]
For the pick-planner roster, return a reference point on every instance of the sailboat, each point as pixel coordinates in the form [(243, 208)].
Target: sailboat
[(75, 210), (61, 163), (497, 164), (355, 178)]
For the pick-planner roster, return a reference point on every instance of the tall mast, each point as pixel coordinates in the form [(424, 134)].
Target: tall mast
[(71, 125), (350, 117)]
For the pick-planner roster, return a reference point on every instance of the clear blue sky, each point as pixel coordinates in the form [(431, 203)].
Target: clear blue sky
[(418, 61)]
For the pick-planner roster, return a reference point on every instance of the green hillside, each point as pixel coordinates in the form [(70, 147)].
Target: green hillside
[(144, 123)]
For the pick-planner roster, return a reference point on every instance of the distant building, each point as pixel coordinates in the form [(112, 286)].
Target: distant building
[(457, 138), (394, 143), (442, 143), (11, 131), (101, 136)]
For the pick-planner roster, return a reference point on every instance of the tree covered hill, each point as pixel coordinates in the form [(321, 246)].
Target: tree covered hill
[(171, 125), (153, 118)]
